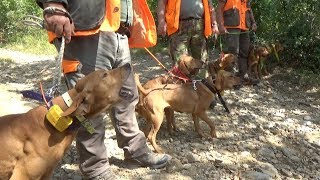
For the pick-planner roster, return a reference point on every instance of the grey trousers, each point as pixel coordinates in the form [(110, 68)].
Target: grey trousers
[(237, 42), (106, 50)]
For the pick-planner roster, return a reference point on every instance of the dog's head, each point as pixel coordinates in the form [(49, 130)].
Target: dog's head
[(262, 51), (226, 62), (226, 80), (98, 91), (188, 65)]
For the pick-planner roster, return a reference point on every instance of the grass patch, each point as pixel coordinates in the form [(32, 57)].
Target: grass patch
[(6, 60), (33, 43), (308, 77)]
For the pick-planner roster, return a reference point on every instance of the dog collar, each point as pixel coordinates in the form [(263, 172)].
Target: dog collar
[(179, 74), (85, 122), (67, 99)]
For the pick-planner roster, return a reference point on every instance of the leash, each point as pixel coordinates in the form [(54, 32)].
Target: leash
[(31, 20), (233, 33), (215, 90), (174, 69), (55, 89), (155, 58), (275, 52)]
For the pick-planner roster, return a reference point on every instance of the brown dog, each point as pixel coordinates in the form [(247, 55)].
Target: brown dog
[(182, 98), (226, 62), (31, 147), (256, 58), (186, 67)]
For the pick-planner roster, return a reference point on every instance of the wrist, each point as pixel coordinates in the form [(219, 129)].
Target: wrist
[(54, 4), (161, 21), (52, 9)]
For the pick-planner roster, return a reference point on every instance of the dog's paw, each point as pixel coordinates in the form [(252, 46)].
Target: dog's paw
[(201, 134), (213, 134)]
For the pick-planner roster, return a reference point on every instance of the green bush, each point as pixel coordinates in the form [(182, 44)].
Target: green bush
[(12, 13), (294, 23)]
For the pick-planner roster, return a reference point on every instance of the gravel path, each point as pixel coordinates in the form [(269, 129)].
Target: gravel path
[(273, 131)]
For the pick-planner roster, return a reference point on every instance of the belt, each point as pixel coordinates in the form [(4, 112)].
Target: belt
[(190, 18), (124, 29)]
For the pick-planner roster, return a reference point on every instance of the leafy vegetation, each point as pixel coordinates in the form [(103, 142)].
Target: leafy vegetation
[(294, 23)]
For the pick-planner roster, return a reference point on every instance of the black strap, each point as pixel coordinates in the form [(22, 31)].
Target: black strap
[(215, 90)]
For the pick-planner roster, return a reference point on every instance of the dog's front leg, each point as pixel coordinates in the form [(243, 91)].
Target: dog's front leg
[(197, 125), (204, 116), (171, 124), (264, 67), (260, 66)]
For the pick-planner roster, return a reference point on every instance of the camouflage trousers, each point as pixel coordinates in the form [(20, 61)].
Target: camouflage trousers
[(237, 42), (190, 40)]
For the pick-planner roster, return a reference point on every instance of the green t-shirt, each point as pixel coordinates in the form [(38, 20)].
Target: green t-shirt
[(191, 9)]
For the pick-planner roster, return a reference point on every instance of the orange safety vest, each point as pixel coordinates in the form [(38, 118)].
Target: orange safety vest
[(173, 13), (143, 30), (241, 5)]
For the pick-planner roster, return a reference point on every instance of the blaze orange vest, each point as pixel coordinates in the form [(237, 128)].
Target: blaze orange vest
[(173, 13), (241, 5), (143, 30)]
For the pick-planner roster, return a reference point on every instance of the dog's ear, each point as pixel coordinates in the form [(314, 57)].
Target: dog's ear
[(75, 104), (219, 80), (222, 60), (182, 64)]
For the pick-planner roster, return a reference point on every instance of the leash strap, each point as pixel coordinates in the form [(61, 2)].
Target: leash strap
[(55, 89), (36, 21), (275, 52), (215, 90), (84, 122), (168, 71), (154, 57), (31, 20)]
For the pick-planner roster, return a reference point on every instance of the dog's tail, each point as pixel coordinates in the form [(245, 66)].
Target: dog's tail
[(140, 87)]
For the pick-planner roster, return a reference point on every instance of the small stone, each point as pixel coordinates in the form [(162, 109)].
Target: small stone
[(307, 118), (173, 165), (286, 172)]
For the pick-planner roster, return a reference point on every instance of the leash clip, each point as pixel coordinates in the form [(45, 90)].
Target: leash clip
[(194, 85), (53, 91)]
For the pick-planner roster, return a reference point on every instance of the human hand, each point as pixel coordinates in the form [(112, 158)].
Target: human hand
[(215, 29), (254, 26), (58, 22), (222, 29), (162, 28)]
